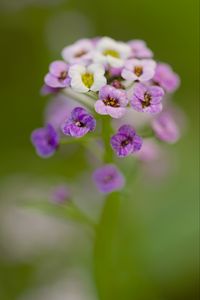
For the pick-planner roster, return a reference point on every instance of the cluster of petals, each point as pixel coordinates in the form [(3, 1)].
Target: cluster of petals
[(107, 67)]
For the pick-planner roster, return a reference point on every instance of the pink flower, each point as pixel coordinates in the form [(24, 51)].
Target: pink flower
[(166, 78), (139, 70), (112, 102), (139, 49)]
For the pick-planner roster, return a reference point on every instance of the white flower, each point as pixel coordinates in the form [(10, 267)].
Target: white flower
[(111, 52), (87, 78), (80, 51)]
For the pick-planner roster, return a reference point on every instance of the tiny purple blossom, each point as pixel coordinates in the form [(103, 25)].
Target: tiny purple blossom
[(60, 194), (139, 49), (58, 75), (139, 69), (112, 102), (108, 179), (79, 123), (45, 140), (166, 78), (165, 127), (147, 98), (126, 141)]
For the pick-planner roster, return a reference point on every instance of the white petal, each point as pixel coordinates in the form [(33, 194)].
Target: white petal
[(78, 85), (96, 68), (115, 62), (99, 81), (76, 69)]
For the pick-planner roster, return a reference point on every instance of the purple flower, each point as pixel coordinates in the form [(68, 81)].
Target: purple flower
[(126, 141), (166, 78), (108, 179), (45, 140), (166, 128), (58, 75), (112, 102), (139, 70), (60, 194), (139, 49), (79, 123), (147, 98)]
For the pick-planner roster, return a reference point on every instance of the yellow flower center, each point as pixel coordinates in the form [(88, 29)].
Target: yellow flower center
[(111, 52), (88, 79)]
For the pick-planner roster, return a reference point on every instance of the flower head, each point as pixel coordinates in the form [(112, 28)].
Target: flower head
[(58, 75), (139, 70), (78, 52), (165, 127), (79, 123), (139, 49), (60, 194), (108, 179), (147, 98), (166, 78), (45, 140), (110, 52), (112, 102), (87, 78), (126, 141)]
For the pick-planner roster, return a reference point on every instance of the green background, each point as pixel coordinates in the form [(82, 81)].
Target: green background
[(154, 250)]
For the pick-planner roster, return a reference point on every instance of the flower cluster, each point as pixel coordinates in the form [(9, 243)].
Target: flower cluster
[(109, 77)]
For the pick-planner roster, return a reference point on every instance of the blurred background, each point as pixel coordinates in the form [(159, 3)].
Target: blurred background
[(154, 252)]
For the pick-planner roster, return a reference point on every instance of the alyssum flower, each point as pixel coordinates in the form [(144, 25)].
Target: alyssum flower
[(126, 141), (166, 128), (166, 78), (79, 123), (139, 70), (45, 140), (87, 78), (111, 53), (113, 78), (139, 49), (108, 179), (147, 98), (79, 51), (111, 102), (58, 75)]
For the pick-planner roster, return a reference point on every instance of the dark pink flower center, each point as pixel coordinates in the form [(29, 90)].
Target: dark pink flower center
[(111, 102), (79, 124), (63, 75), (80, 53), (147, 100), (138, 70), (125, 142)]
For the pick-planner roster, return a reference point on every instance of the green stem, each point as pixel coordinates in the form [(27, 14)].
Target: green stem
[(104, 244), (106, 135), (84, 139)]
